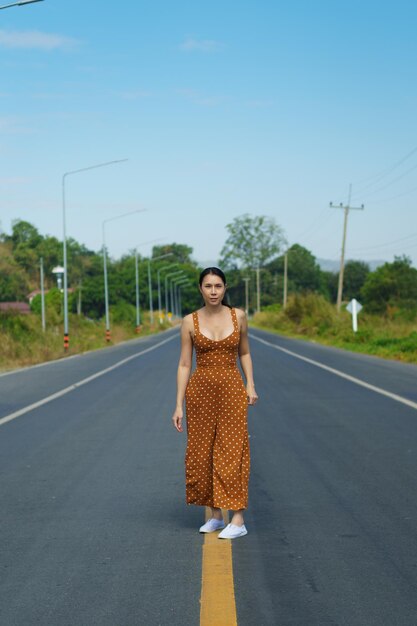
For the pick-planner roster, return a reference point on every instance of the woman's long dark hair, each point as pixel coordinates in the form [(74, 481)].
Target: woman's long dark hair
[(217, 272)]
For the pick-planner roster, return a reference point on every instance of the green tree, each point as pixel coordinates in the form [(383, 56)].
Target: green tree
[(328, 285), (181, 253), (14, 283), (392, 284), (50, 249), (53, 305), (25, 239), (92, 285), (252, 241), (304, 273), (354, 278), (24, 233)]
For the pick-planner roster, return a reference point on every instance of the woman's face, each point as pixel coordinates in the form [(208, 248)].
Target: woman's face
[(212, 289)]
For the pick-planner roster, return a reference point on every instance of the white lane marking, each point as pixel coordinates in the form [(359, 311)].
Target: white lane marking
[(80, 383), (63, 359), (352, 379)]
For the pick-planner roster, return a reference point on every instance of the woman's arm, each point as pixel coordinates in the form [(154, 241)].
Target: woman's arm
[(245, 357), (184, 370)]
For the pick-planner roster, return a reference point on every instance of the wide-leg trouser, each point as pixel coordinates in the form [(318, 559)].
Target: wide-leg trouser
[(217, 459)]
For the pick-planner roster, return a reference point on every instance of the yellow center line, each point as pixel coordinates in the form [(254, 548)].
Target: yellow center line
[(218, 606)]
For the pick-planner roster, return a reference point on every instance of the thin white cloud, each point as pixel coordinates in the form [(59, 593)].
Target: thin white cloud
[(135, 95), (198, 98), (13, 126), (259, 104), (35, 40), (14, 65), (13, 180), (200, 45), (48, 96)]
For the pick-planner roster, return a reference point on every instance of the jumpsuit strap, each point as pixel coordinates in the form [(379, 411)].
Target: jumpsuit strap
[(195, 320), (234, 318)]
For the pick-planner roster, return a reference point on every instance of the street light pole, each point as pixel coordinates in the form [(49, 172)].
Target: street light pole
[(170, 275), (258, 289), (247, 296), (137, 281), (42, 296), (156, 258), (177, 286), (137, 291), (161, 269), (179, 297), (106, 287), (179, 304), (285, 297), (174, 282), (64, 177), (166, 286)]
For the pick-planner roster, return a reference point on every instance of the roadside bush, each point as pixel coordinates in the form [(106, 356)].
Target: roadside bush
[(16, 325), (390, 335), (310, 309), (391, 285), (54, 305), (123, 313)]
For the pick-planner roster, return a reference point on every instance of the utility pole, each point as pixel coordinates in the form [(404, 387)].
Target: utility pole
[(137, 291), (284, 300), (346, 209), (80, 297), (258, 289), (150, 293), (42, 296), (247, 296)]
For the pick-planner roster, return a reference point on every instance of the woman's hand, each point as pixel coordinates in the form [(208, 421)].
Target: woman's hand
[(177, 419), (252, 395)]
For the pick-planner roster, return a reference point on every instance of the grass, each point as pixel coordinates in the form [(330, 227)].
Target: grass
[(23, 343), (309, 316), (312, 317)]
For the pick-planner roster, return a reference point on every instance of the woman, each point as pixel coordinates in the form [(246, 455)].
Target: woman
[(217, 458)]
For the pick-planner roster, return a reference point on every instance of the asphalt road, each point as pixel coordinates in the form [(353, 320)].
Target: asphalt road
[(94, 528)]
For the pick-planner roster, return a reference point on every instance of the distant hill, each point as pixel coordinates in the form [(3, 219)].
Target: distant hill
[(328, 265)]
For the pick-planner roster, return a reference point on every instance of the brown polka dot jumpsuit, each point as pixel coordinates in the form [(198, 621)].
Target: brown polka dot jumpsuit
[(217, 458)]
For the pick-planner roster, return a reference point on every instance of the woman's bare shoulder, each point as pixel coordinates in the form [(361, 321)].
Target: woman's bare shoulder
[(187, 321), (240, 313)]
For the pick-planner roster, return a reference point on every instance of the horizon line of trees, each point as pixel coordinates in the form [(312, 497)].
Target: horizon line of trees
[(252, 242)]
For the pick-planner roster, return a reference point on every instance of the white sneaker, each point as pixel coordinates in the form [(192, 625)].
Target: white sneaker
[(232, 532), (211, 525)]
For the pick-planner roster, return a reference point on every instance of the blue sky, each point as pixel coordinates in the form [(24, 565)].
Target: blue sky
[(222, 108)]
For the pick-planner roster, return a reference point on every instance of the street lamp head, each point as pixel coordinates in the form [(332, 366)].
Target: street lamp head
[(161, 256), (59, 273), (117, 217), (19, 4)]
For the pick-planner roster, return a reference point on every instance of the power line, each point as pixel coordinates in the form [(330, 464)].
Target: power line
[(322, 235), (398, 195), (392, 181), (313, 225), (385, 245), (377, 177), (390, 251)]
